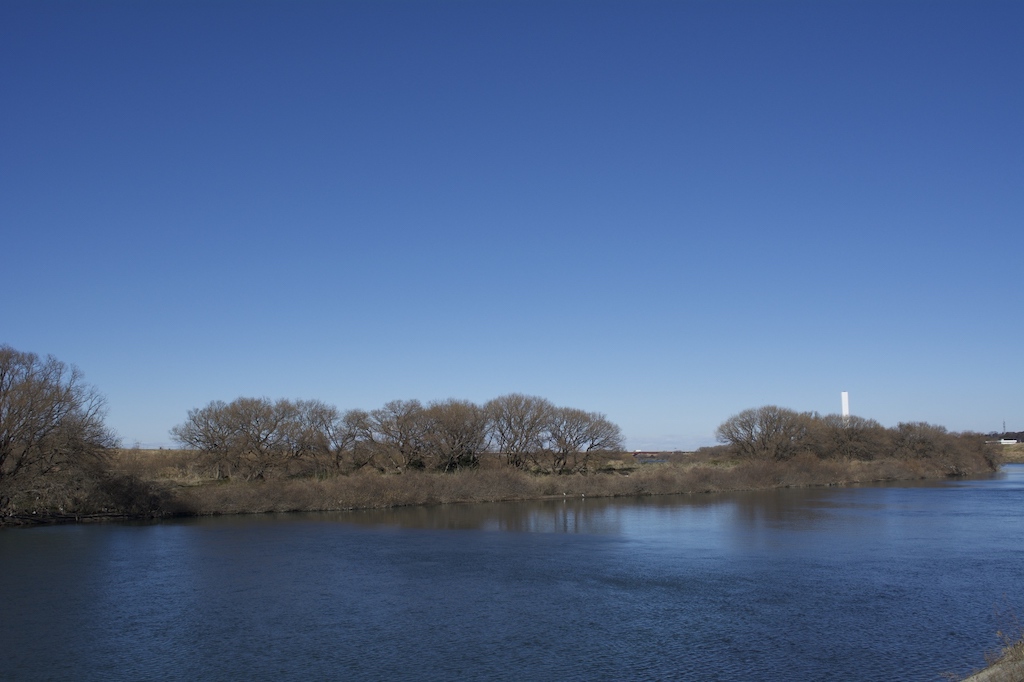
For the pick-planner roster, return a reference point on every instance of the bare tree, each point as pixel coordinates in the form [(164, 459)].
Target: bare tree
[(257, 438), (519, 426), (921, 440), (251, 437), (359, 447), (849, 437), (50, 420), (397, 433), (768, 432), (576, 434), (204, 429), (319, 435), (455, 434)]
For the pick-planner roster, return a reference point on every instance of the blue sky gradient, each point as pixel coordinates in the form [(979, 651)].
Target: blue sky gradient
[(663, 211)]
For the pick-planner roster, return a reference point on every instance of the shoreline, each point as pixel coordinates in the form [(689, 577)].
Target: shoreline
[(168, 495), (1009, 667)]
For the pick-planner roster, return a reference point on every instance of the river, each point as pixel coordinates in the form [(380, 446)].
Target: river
[(902, 582)]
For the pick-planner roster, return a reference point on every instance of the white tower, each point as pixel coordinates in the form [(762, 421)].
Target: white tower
[(846, 405)]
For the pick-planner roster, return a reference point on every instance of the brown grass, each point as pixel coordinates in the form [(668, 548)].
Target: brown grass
[(189, 487), (1007, 665), (180, 466), (1013, 453)]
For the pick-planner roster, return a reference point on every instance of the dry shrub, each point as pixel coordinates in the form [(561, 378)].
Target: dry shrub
[(497, 484), (1006, 664), (712, 455), (667, 479), (95, 493), (705, 479), (492, 481), (757, 474), (171, 465), (362, 490)]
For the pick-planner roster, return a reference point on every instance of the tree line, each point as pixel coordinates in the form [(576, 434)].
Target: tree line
[(256, 438), (780, 434), (56, 450)]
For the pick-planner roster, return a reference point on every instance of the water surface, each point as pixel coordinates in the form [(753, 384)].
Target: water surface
[(886, 583)]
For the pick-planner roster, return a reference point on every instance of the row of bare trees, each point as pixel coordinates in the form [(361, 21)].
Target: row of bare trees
[(257, 438), (777, 433)]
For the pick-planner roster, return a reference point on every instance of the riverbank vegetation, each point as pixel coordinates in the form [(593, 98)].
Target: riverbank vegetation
[(1007, 666), (59, 461), (190, 487), (260, 439), (1013, 453), (1007, 663)]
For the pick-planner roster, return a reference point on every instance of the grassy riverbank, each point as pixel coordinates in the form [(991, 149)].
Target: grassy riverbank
[(155, 483), (1012, 453), (1007, 665), (146, 483)]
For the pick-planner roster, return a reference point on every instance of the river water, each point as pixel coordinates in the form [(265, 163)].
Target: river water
[(867, 583)]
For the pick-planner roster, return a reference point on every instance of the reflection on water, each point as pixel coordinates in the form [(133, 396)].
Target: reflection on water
[(886, 583), (573, 515), (799, 507), (597, 516)]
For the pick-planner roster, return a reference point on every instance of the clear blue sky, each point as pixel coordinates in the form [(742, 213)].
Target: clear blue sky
[(663, 211)]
